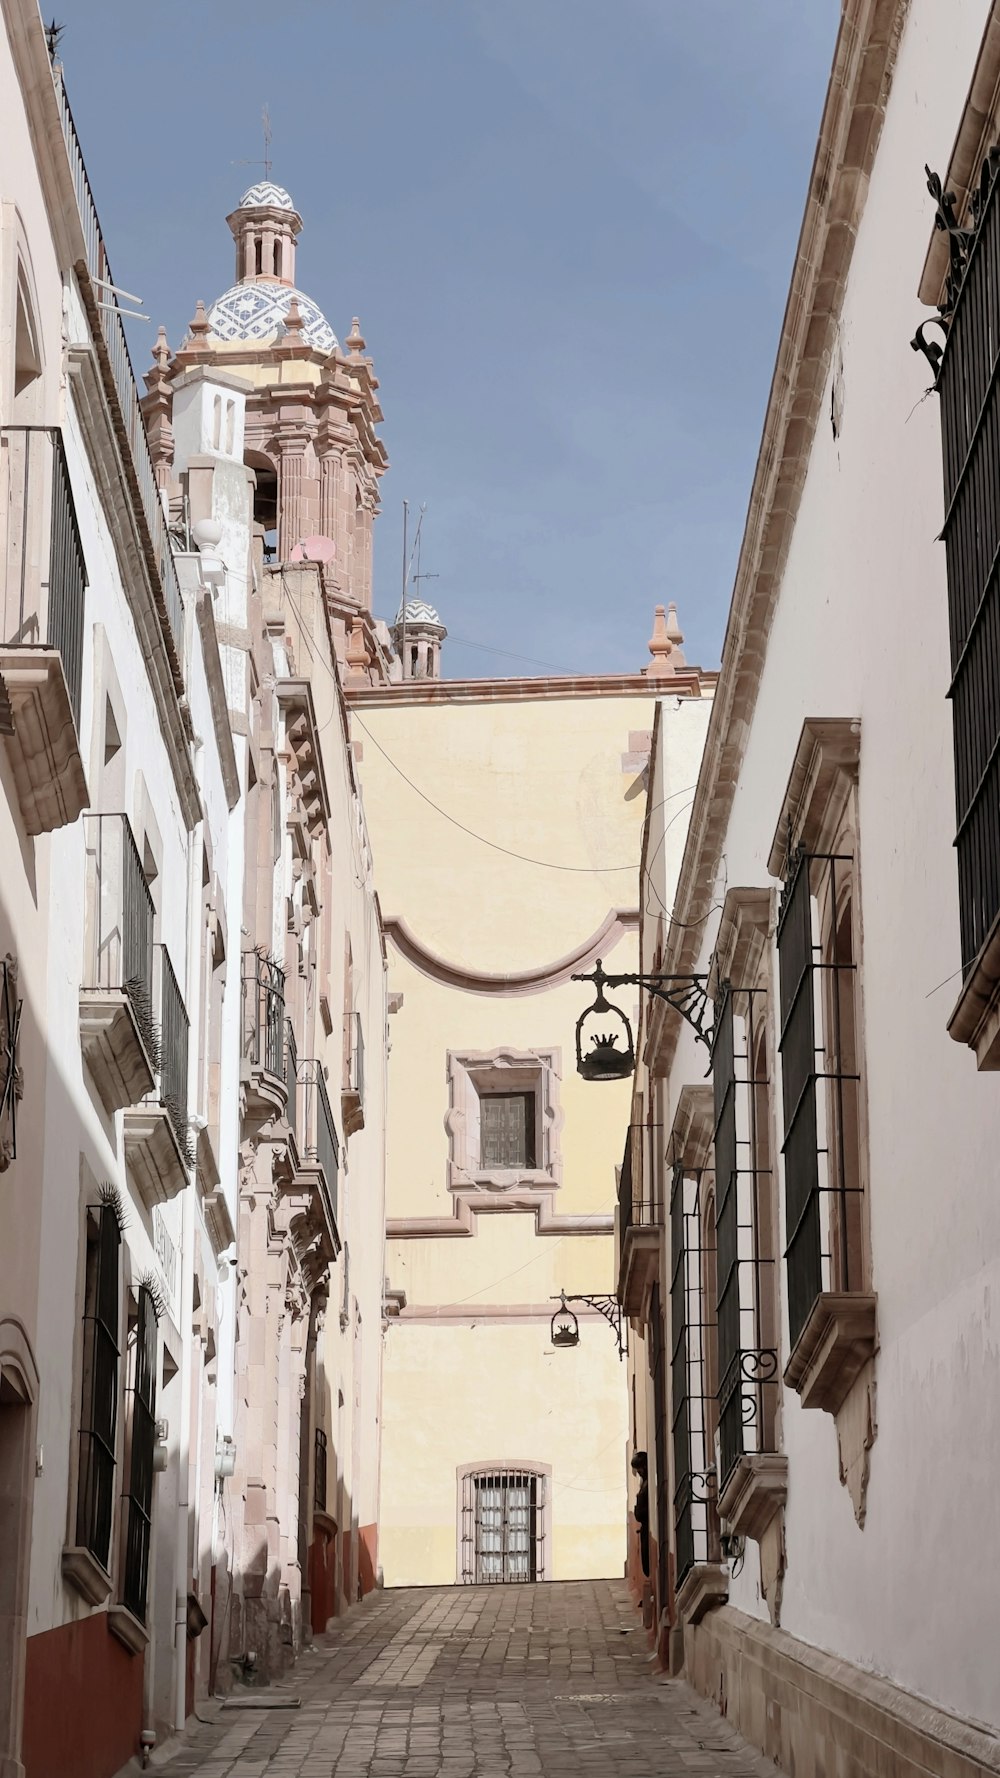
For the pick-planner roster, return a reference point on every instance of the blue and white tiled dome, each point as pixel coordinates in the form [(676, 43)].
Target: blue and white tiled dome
[(266, 194), (419, 612), (258, 312)]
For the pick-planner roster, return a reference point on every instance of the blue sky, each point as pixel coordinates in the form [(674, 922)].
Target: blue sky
[(567, 228)]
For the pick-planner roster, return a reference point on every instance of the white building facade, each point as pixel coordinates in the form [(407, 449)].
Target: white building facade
[(819, 1294)]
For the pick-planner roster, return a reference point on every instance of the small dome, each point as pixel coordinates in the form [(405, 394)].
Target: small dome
[(258, 312), (419, 612), (266, 195)]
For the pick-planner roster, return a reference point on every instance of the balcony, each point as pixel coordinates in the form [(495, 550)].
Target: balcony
[(157, 1144), (639, 1223), (41, 626), (352, 1098), (264, 1081), (319, 1149), (117, 1028)]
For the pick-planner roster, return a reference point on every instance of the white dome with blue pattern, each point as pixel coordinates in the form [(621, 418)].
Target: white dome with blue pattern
[(417, 611), (258, 312), (266, 195)]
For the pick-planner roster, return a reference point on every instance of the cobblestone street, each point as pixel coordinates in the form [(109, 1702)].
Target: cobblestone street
[(475, 1683)]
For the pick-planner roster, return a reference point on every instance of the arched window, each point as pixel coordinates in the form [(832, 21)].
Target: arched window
[(503, 1528)]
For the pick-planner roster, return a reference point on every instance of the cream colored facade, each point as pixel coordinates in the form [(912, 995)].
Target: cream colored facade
[(482, 945)]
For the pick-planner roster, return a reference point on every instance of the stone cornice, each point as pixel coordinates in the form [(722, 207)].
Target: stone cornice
[(468, 1206), (617, 922), (863, 65), (690, 683), (976, 135)]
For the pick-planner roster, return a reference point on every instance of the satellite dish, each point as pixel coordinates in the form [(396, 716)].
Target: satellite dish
[(314, 549)]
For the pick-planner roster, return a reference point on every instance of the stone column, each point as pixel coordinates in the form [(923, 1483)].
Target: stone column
[(291, 514)]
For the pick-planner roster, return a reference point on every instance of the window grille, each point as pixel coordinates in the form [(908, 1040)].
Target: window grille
[(817, 1043), (99, 1395), (748, 1358), (658, 1366), (691, 1331), (502, 1529), (264, 1012), (138, 1499), (507, 1130), (969, 387), (320, 1471), (174, 1030)]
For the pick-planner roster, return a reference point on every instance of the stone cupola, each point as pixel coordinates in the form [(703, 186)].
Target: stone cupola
[(264, 226)]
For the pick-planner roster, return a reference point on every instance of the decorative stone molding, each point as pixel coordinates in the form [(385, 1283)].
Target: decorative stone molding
[(84, 1572), (977, 133), (44, 749), (975, 1019), (687, 682), (836, 1342), (639, 1267), (754, 1493), (704, 1587), (748, 919), (468, 1206), (824, 770), (472, 1074), (616, 924), (692, 1130)]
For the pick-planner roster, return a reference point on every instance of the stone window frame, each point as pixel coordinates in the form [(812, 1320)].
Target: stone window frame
[(472, 1074), (512, 1466)]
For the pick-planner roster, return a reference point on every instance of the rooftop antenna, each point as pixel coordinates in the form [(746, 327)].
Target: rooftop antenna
[(265, 119)]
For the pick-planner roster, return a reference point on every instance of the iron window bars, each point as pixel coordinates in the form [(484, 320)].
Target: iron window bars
[(264, 1013), (691, 1332), (503, 1527), (823, 1250), (122, 916), (138, 1494), (319, 1468), (99, 1392), (291, 1081), (11, 1083), (319, 1145), (357, 1056), (174, 1029), (658, 1367), (43, 603), (967, 378), (748, 1357), (507, 1130)]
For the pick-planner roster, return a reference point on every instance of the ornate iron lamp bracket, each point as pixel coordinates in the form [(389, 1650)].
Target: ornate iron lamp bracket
[(609, 1307), (687, 994)]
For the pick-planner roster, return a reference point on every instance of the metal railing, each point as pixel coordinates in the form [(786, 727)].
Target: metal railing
[(123, 376), (95, 1499), (138, 1503), (119, 952), (264, 1013), (318, 1144), (174, 1028), (45, 577), (319, 1484), (291, 1080), (356, 1054)]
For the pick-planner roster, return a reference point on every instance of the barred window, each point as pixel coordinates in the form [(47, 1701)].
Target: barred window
[(140, 1432), (507, 1129), (99, 1393), (692, 1325), (747, 1334), (821, 1079), (502, 1526)]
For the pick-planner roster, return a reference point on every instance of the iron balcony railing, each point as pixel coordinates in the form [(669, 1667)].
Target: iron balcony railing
[(291, 1080), (44, 573), (264, 1013), (132, 428), (356, 1050), (119, 951), (319, 1490), (174, 1028), (95, 1499), (318, 1142), (138, 1501)]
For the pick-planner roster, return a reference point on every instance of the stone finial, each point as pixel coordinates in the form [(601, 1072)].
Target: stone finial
[(355, 341), (161, 350), (294, 319), (675, 637), (198, 328), (660, 647), (357, 654)]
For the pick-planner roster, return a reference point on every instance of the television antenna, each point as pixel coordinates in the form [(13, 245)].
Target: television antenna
[(265, 119)]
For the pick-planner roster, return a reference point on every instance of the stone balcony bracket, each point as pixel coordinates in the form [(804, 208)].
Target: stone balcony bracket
[(113, 1049), (44, 750), (153, 1155), (84, 1573), (754, 1493), (127, 1628), (352, 1111), (639, 1267), (705, 1586), (838, 1339)]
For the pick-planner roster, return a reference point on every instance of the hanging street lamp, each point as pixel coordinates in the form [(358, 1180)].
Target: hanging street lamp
[(606, 1051), (566, 1327)]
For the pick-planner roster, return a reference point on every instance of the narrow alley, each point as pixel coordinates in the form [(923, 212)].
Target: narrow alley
[(446, 1682)]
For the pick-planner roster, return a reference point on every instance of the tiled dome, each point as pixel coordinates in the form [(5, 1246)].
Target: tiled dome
[(258, 312), (266, 194), (419, 612)]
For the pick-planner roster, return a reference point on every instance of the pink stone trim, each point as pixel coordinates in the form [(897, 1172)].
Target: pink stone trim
[(616, 924), (689, 682), (467, 1206), (511, 1314)]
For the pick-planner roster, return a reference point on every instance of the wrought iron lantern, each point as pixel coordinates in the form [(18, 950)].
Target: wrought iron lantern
[(610, 1051), (565, 1326), (610, 1054)]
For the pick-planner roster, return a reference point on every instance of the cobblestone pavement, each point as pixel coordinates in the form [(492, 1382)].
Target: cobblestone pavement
[(475, 1682)]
